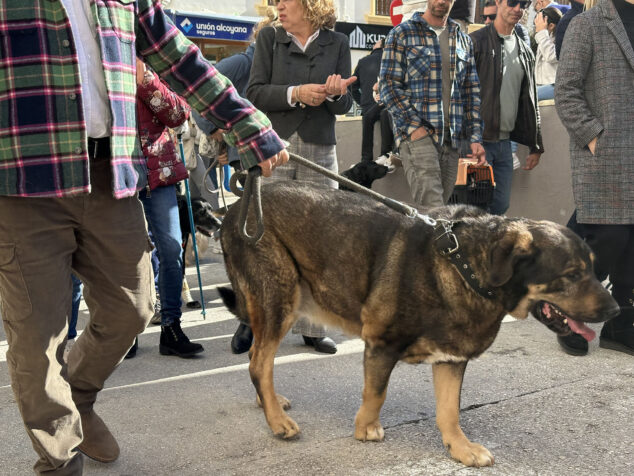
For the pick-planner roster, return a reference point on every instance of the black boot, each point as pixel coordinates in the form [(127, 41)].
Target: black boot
[(618, 333), (321, 344), (132, 352), (242, 339), (573, 344), (175, 342)]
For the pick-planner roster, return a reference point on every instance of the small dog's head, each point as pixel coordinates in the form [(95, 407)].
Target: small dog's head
[(364, 173), (551, 268), (204, 219)]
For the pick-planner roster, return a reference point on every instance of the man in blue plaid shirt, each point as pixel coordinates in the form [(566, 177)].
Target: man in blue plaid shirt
[(429, 84)]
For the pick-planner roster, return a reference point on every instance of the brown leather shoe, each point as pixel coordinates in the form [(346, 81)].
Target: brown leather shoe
[(98, 442)]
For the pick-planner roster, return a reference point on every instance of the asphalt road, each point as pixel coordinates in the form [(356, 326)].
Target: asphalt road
[(538, 410)]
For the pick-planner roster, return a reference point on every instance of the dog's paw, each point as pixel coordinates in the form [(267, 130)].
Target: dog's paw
[(284, 427), (471, 454), (284, 402), (372, 432)]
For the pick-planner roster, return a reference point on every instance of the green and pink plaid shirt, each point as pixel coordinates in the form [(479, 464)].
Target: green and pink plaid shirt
[(43, 143)]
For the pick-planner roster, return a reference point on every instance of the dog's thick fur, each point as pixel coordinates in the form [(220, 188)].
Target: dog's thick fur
[(346, 260)]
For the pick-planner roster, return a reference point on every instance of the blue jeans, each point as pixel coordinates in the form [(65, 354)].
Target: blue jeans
[(161, 213), (155, 263), (74, 309), (500, 156), (545, 91)]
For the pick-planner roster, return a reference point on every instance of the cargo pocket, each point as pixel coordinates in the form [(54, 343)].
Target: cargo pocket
[(18, 306)]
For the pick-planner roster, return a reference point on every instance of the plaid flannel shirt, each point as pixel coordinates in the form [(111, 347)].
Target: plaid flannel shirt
[(411, 82), (43, 143)]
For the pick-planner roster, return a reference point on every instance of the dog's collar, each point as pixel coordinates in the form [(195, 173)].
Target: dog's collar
[(448, 246)]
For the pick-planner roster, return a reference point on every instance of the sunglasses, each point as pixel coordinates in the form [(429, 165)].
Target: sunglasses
[(524, 4), (490, 16)]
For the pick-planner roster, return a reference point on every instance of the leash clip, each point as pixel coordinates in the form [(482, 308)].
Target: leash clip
[(451, 244), (426, 218)]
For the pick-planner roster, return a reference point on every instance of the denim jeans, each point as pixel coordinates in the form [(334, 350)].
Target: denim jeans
[(545, 91), (500, 157), (74, 309), (155, 264), (161, 213)]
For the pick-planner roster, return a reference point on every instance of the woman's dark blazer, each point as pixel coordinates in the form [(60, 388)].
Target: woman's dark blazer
[(278, 63)]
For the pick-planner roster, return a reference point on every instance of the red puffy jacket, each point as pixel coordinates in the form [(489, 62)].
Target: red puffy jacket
[(159, 108)]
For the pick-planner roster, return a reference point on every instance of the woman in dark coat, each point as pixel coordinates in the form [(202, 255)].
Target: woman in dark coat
[(297, 79)]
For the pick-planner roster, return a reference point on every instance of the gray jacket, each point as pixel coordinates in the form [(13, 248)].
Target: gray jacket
[(278, 63), (594, 96)]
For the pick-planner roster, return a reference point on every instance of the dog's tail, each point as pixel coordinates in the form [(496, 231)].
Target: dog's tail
[(230, 300)]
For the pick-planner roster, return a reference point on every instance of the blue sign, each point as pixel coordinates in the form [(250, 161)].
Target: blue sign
[(213, 28)]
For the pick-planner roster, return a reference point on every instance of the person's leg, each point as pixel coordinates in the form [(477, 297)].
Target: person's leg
[(156, 318), (449, 170), (314, 334), (500, 157), (368, 119), (113, 261), (422, 171), (35, 290), (387, 134), (609, 244), (161, 212), (618, 243)]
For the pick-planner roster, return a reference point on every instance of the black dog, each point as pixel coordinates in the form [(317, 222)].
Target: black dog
[(204, 220), (364, 173)]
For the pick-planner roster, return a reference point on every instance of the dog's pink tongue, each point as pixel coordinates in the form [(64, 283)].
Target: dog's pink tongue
[(581, 329)]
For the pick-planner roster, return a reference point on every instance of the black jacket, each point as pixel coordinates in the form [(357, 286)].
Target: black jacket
[(279, 63), (488, 53), (367, 72)]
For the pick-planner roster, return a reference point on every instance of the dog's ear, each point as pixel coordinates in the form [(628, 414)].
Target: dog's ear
[(506, 252)]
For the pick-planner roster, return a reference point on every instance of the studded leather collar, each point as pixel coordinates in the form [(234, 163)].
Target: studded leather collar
[(448, 246)]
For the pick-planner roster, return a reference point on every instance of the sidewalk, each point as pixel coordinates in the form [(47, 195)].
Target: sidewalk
[(538, 410)]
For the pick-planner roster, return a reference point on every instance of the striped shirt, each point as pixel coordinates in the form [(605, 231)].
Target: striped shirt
[(43, 141), (411, 82)]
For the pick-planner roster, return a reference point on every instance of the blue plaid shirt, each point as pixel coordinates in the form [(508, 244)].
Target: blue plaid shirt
[(411, 82)]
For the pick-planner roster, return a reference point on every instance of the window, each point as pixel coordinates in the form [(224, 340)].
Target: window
[(382, 7)]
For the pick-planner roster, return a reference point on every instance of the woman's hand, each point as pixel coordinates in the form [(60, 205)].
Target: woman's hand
[(223, 159), (336, 86), (540, 22), (312, 94)]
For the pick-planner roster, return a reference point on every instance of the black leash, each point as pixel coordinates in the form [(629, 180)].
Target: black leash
[(252, 192), (445, 239)]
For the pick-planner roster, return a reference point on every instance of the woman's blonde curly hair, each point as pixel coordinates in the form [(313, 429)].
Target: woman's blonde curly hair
[(319, 13)]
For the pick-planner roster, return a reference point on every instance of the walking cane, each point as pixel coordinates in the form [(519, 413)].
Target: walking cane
[(192, 228)]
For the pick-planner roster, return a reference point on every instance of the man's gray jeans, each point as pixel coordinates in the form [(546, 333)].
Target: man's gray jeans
[(430, 170)]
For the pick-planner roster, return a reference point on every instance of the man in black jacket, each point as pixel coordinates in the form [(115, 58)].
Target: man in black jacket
[(506, 68), (367, 73)]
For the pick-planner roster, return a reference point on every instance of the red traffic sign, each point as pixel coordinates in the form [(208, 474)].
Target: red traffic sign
[(396, 17)]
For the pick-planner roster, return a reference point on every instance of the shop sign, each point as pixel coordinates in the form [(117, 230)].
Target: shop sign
[(213, 28), (361, 35)]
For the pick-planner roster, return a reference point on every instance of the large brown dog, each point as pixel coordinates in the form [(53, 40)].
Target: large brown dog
[(346, 260)]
